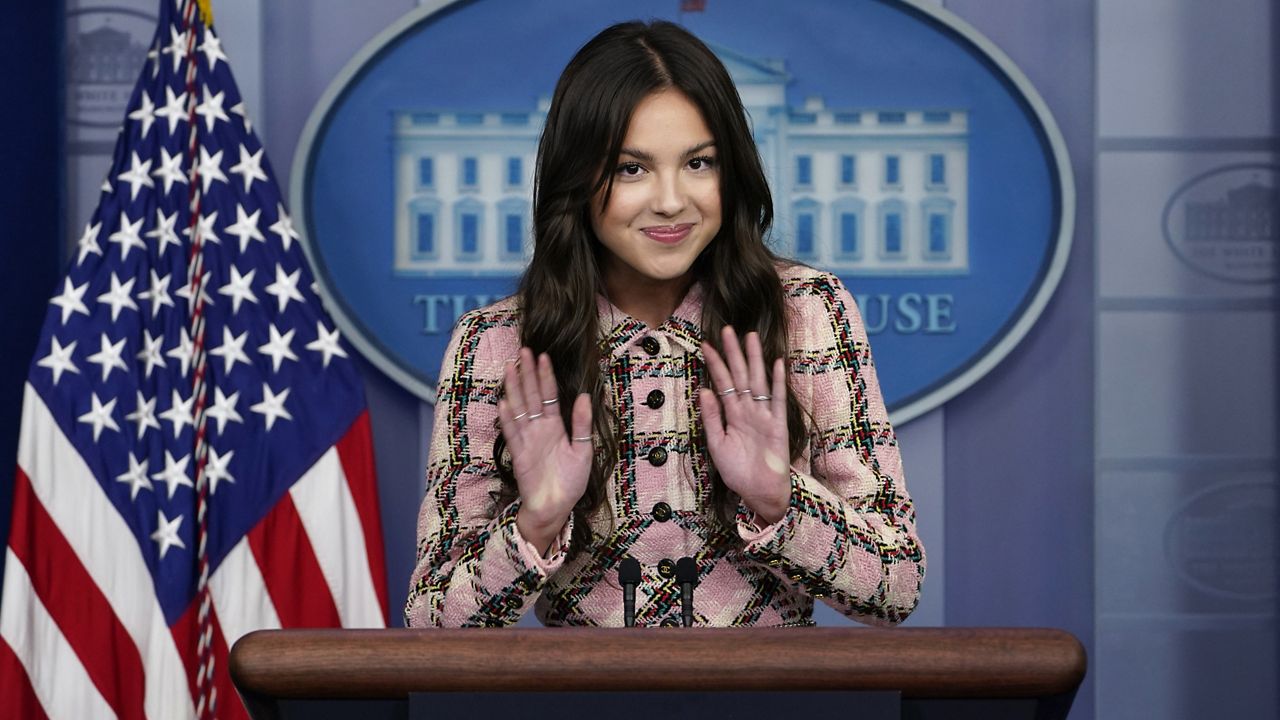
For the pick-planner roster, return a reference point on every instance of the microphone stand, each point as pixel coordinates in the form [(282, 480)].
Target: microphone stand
[(687, 576), (629, 577)]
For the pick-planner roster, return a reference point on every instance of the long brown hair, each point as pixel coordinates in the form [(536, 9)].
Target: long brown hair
[(586, 124)]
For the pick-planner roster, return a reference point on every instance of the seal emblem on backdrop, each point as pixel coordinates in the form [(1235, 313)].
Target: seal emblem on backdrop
[(1225, 223), (105, 48), (906, 154)]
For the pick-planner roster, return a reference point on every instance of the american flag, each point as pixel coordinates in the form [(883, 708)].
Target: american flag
[(195, 459)]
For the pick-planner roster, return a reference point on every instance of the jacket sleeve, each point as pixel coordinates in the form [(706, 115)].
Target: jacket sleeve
[(848, 536), (473, 567)]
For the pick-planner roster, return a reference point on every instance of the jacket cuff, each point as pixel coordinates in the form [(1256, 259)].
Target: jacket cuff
[(529, 555), (761, 536), (509, 588), (799, 546)]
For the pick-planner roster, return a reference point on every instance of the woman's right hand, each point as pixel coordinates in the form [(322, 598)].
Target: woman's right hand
[(550, 465)]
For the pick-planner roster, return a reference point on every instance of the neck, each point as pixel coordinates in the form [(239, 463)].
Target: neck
[(648, 300)]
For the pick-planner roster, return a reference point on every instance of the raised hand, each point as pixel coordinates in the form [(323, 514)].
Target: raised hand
[(550, 465), (745, 418)]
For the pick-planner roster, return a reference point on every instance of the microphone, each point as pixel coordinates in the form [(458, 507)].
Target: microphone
[(629, 577), (687, 576)]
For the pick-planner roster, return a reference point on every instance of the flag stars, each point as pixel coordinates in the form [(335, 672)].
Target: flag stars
[(59, 359), (136, 477), (326, 344), (283, 227), (224, 409), (88, 243), (278, 348), (138, 175), (164, 231), (166, 534), (179, 413), (210, 168), (174, 109), (211, 108), (158, 293), (249, 167), (239, 288), (215, 469), (285, 288), (246, 227), (174, 474), (100, 416), (109, 356), (146, 113), (212, 49), (243, 112), (188, 291), (183, 351), (144, 415), (170, 170), (272, 406), (153, 57), (231, 350), (119, 296), (150, 353), (127, 236), (71, 300), (177, 46), (205, 229)]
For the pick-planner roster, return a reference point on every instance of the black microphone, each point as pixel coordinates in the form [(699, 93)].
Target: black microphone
[(687, 576), (629, 577)]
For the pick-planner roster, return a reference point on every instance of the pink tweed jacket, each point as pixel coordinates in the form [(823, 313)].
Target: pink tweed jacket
[(848, 537)]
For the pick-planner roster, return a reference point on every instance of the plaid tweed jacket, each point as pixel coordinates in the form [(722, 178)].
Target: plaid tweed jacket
[(848, 537)]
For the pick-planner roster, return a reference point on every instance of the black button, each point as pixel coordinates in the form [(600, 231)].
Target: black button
[(514, 601), (661, 512), (655, 399), (670, 622), (666, 567), (650, 345), (657, 457)]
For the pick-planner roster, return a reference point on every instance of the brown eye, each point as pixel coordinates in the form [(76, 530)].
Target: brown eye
[(630, 169), (702, 163)]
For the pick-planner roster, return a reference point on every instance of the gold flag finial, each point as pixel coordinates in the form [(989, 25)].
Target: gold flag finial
[(206, 12)]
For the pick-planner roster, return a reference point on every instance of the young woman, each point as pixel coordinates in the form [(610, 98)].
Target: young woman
[(661, 386)]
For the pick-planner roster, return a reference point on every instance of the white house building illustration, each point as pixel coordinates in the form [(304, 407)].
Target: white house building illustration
[(855, 191), (1248, 213)]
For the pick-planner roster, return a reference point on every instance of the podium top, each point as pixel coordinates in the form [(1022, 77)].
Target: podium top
[(919, 662)]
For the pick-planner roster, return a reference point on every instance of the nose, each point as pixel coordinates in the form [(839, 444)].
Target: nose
[(670, 197)]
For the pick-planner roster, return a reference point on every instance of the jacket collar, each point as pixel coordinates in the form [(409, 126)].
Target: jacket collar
[(619, 331)]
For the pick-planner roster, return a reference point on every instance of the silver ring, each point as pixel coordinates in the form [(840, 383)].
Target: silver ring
[(745, 392), (762, 397), (534, 416), (583, 439), (552, 401), (520, 416), (727, 391)]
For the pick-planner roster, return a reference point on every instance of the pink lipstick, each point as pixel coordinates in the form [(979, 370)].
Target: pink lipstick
[(668, 234)]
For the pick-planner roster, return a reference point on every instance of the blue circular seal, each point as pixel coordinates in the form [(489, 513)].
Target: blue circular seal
[(905, 152)]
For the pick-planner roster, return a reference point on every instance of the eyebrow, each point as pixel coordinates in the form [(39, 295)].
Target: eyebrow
[(646, 157)]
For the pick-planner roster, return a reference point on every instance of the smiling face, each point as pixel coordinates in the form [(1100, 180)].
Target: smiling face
[(665, 205)]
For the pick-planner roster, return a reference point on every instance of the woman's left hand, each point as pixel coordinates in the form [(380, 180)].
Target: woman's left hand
[(746, 424)]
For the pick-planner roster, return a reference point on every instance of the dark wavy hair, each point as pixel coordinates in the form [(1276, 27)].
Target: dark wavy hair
[(586, 124)]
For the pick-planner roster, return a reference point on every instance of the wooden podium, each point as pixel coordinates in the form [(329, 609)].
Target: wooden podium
[(620, 673)]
